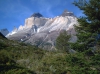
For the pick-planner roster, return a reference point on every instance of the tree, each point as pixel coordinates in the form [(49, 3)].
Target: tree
[(62, 41), (89, 28)]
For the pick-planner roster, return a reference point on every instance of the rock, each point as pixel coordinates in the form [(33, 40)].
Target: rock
[(36, 15), (67, 13), (42, 32), (4, 31), (1, 35)]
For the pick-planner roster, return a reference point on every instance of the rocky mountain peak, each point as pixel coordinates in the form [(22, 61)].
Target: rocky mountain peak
[(4, 31), (67, 13), (43, 32), (1, 35), (36, 15), (15, 28)]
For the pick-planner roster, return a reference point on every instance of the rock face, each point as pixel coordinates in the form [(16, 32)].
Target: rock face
[(35, 21), (13, 32), (2, 36), (43, 31), (36, 15), (66, 13), (4, 31)]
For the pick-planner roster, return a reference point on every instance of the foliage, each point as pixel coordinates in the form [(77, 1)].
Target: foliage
[(9, 66), (89, 29), (87, 45), (62, 41), (20, 58), (80, 64)]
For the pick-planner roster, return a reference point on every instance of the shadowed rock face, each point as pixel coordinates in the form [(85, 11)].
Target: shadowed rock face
[(66, 13), (42, 32), (36, 15), (2, 36), (4, 31), (29, 22)]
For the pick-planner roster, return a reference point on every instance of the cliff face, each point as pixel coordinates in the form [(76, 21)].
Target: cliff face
[(43, 31), (36, 15), (35, 21), (66, 13), (4, 31), (2, 36)]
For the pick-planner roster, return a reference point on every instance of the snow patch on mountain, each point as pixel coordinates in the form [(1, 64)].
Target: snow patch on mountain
[(43, 31), (15, 30)]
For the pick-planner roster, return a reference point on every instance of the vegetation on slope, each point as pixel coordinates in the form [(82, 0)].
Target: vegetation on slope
[(20, 58)]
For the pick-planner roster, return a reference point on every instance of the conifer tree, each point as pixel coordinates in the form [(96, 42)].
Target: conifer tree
[(62, 41), (88, 32)]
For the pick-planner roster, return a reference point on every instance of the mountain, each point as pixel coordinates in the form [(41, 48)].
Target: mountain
[(2, 36), (4, 31), (66, 13), (36, 15), (42, 31), (13, 32)]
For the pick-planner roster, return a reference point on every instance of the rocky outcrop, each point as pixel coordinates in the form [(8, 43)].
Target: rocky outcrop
[(36, 15), (4, 31), (66, 13), (59, 23), (15, 30), (2, 36), (42, 32), (35, 21)]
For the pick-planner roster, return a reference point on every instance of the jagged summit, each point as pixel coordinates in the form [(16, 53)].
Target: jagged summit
[(1, 35), (4, 31), (36, 15), (43, 32), (67, 13)]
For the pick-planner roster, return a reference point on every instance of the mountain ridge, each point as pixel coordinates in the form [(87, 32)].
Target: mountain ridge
[(2, 36), (36, 15), (42, 32), (4, 31)]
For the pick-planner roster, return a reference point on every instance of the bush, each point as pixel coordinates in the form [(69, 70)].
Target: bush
[(62, 41)]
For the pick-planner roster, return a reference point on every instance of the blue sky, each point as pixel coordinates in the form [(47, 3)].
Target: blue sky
[(14, 12)]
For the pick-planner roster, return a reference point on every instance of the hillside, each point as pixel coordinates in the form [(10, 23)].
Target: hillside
[(20, 58)]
